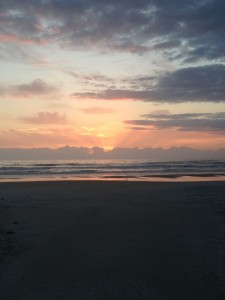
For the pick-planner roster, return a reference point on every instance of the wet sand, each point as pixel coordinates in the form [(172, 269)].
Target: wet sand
[(112, 240)]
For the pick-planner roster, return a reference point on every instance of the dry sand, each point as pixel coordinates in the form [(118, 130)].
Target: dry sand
[(112, 240)]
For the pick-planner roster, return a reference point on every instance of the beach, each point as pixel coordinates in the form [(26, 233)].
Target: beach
[(112, 240)]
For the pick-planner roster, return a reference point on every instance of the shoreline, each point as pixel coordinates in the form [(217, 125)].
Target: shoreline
[(147, 178)]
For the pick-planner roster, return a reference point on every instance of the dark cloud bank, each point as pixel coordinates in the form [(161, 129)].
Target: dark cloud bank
[(185, 30), (174, 153), (207, 122), (192, 84)]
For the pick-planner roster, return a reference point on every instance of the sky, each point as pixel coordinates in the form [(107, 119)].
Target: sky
[(137, 73)]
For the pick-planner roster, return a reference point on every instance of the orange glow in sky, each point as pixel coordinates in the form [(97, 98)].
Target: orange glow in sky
[(73, 76)]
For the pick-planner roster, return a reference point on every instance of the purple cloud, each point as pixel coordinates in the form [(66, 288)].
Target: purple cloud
[(37, 87)]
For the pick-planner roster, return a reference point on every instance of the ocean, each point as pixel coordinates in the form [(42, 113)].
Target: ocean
[(107, 169)]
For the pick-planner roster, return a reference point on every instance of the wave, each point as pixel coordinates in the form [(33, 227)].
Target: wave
[(111, 168)]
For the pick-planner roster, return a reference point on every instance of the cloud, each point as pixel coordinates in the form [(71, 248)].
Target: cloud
[(35, 88), (114, 95), (209, 122), (139, 128), (193, 84), (90, 77), (93, 80), (16, 52), (10, 38), (46, 118), (97, 81), (185, 30), (204, 83), (157, 113), (68, 152), (2, 90), (97, 110)]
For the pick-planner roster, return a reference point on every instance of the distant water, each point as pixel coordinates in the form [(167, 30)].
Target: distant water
[(108, 168)]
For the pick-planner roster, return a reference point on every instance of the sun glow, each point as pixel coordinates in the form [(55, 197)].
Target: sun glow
[(109, 86)]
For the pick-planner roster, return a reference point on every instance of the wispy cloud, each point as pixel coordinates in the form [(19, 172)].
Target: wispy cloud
[(20, 53), (45, 118), (11, 38), (89, 77), (98, 110)]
